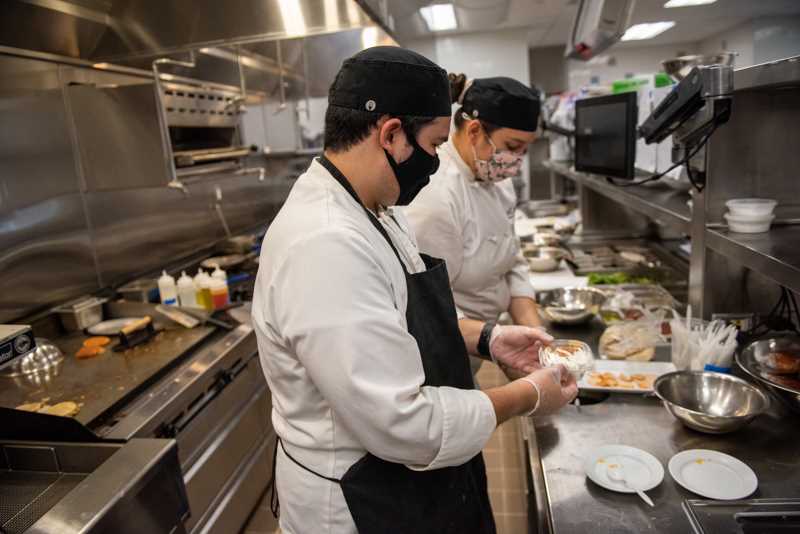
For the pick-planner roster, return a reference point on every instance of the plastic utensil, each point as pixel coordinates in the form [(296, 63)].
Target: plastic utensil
[(617, 474)]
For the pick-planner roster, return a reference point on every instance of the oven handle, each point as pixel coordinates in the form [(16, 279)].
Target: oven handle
[(223, 380)]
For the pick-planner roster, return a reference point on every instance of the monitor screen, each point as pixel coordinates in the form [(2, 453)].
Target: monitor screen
[(605, 135)]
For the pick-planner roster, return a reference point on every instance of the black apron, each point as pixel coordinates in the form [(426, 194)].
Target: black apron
[(385, 497)]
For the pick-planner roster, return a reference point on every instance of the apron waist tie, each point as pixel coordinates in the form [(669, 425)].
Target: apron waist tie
[(320, 475), (274, 501)]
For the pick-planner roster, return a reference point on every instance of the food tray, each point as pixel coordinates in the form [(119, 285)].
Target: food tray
[(651, 369)]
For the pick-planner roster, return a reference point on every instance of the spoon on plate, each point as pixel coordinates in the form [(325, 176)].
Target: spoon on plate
[(617, 474)]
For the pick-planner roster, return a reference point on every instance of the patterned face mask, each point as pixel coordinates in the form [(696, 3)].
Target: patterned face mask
[(503, 164)]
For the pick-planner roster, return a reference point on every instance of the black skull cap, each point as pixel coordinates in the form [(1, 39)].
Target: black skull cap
[(503, 102), (394, 81)]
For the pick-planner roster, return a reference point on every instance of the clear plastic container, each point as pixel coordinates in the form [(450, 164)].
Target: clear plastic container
[(575, 355), (748, 225), (751, 207)]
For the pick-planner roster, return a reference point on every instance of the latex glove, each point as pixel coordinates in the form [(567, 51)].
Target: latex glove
[(517, 347), (556, 387)]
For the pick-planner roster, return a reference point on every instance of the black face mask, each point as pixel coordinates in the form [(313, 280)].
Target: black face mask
[(414, 173)]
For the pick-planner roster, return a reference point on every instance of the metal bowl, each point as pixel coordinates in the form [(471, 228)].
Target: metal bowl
[(713, 403), (571, 305), (755, 352), (544, 259), (548, 239), (679, 67)]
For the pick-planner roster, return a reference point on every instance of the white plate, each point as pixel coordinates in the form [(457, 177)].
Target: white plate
[(628, 368), (111, 327), (642, 470), (713, 474)]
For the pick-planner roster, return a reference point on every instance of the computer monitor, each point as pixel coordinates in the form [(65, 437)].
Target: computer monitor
[(605, 135)]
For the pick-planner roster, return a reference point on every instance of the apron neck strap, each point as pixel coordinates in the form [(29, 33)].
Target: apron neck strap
[(342, 179)]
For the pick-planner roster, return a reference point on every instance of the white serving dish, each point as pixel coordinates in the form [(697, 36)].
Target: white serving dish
[(713, 474), (748, 226), (628, 368), (751, 207), (643, 470)]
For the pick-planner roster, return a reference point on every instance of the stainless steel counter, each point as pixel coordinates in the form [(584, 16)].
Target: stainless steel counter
[(567, 502)]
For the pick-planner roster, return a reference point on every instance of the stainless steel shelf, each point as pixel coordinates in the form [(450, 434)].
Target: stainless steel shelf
[(666, 206), (775, 254), (774, 74)]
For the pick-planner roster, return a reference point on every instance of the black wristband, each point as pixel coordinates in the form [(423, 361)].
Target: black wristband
[(485, 337)]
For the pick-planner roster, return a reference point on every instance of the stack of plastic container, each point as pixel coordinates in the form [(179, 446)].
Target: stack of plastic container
[(750, 215)]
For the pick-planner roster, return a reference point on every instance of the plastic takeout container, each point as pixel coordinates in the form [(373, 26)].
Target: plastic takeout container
[(575, 355), (747, 225), (751, 207)]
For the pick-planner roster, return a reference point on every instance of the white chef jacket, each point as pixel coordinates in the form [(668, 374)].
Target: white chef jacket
[(345, 375), (470, 224)]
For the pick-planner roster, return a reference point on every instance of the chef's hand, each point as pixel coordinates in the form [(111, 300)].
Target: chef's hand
[(555, 387), (517, 347)]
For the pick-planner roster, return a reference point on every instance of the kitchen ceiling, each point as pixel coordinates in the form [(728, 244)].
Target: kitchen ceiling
[(549, 21)]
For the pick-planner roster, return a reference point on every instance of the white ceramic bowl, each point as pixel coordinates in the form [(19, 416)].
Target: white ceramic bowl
[(751, 207), (748, 226)]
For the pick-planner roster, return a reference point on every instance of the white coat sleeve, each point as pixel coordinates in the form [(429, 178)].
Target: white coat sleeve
[(519, 277), (436, 226), (337, 311)]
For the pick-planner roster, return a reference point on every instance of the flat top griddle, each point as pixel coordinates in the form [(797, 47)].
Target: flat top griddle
[(105, 381)]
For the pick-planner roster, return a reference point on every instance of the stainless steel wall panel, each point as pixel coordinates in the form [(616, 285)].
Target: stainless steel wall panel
[(35, 27), (117, 134), (45, 249), (140, 230), (756, 154)]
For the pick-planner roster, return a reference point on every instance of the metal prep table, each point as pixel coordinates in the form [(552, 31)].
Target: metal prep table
[(566, 502)]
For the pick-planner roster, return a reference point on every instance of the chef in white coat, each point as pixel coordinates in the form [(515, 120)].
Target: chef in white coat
[(466, 215), (379, 427)]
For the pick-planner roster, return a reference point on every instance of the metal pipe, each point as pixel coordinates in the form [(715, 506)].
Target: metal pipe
[(305, 79), (281, 87), (166, 144)]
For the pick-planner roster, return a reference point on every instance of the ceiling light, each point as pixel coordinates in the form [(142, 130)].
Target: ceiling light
[(369, 37), (439, 17), (687, 3), (646, 30), (292, 16)]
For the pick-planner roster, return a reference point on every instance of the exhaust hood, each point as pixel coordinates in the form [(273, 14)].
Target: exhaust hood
[(114, 31)]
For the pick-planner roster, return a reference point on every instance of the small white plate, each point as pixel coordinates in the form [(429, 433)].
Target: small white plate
[(713, 474), (642, 470), (625, 367)]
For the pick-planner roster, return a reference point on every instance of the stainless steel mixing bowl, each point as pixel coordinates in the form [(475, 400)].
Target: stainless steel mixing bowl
[(784, 390), (679, 67), (714, 403), (570, 305), (544, 259)]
